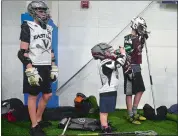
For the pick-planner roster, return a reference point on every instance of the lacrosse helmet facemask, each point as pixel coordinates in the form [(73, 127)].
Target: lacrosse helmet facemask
[(139, 25), (39, 11)]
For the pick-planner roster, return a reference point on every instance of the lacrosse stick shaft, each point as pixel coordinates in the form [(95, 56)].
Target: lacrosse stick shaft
[(151, 82), (66, 126), (140, 133)]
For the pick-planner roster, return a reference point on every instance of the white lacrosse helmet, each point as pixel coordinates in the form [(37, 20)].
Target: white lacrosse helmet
[(139, 24)]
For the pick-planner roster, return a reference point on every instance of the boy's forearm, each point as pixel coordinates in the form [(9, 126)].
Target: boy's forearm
[(30, 64), (53, 59), (53, 63)]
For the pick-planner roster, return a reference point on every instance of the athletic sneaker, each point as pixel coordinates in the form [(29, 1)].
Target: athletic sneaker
[(134, 121), (139, 117), (44, 124), (106, 130), (37, 131)]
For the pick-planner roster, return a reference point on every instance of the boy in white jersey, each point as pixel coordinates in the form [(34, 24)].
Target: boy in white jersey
[(108, 70), (39, 61)]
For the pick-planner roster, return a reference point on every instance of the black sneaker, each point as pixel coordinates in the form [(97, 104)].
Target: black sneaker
[(44, 124), (106, 130), (37, 131)]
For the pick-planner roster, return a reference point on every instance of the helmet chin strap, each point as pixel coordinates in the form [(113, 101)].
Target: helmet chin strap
[(41, 22)]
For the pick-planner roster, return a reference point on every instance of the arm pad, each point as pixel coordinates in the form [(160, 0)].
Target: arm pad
[(128, 48), (23, 59)]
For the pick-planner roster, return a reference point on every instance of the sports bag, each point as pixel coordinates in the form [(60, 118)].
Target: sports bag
[(149, 112)]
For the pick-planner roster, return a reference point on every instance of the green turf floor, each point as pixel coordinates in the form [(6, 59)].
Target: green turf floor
[(118, 119)]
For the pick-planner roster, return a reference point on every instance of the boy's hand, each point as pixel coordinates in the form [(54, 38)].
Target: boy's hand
[(122, 50)]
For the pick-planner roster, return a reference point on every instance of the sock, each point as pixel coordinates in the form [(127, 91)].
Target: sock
[(134, 109), (130, 113)]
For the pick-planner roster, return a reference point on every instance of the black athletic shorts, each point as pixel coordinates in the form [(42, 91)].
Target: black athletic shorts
[(45, 85), (133, 84)]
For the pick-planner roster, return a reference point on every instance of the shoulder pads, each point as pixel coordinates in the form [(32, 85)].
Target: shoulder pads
[(127, 36), (24, 24), (49, 27), (105, 61)]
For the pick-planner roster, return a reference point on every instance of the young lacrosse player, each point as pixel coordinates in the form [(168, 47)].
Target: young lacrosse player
[(133, 81), (38, 59), (108, 70)]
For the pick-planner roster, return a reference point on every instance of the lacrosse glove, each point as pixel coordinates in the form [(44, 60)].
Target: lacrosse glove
[(33, 76), (54, 73)]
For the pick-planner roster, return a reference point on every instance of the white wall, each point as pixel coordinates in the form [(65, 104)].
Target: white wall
[(79, 30), (82, 29), (11, 66)]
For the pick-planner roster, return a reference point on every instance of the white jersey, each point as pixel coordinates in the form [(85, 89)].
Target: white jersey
[(40, 44), (109, 74)]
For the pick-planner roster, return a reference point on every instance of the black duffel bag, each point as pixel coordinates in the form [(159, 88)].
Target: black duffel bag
[(149, 112)]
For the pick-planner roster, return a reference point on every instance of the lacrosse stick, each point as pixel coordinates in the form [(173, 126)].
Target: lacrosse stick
[(136, 133), (65, 127), (151, 82)]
